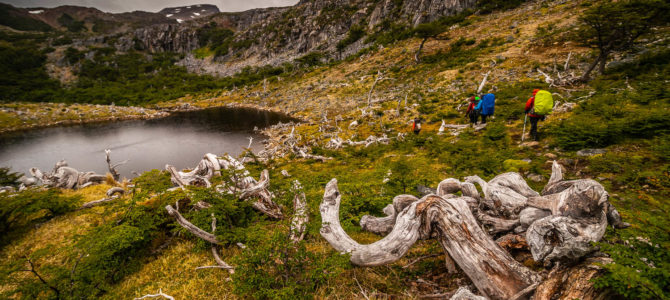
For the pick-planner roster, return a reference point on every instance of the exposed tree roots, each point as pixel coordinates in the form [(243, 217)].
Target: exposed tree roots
[(559, 226)]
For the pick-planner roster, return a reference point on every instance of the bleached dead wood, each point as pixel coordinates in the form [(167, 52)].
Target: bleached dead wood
[(220, 263), (111, 196), (483, 83), (491, 269), (300, 217), (160, 294), (65, 177), (190, 227), (112, 168), (448, 186), (506, 194), (464, 293), (98, 202), (561, 227), (380, 76), (384, 225), (245, 186)]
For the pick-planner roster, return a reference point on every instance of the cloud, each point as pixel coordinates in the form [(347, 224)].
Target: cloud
[(151, 5)]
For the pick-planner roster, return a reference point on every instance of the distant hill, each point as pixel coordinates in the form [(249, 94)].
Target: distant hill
[(186, 13), (20, 19)]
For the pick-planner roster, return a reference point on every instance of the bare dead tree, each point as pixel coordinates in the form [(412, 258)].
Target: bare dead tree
[(112, 168)]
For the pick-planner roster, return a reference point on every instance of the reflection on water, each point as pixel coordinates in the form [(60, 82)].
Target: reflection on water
[(180, 140)]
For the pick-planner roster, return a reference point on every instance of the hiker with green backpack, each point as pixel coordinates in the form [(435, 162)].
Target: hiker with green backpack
[(537, 108)]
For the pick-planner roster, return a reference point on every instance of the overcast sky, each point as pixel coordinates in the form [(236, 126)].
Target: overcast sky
[(151, 5)]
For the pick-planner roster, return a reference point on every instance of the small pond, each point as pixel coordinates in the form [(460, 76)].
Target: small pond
[(180, 139)]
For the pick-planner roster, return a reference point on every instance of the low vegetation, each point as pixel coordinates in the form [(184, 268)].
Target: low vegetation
[(131, 247)]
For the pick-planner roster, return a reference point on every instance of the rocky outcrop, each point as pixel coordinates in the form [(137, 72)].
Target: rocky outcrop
[(419, 11), (272, 36), (160, 38)]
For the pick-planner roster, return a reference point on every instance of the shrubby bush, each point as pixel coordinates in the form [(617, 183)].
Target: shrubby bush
[(274, 268), (8, 178), (19, 211), (614, 115)]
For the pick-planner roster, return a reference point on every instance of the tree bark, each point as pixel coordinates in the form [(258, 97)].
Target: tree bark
[(587, 75)]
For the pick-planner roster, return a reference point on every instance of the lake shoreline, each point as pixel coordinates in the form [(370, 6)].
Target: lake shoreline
[(155, 113), (179, 138)]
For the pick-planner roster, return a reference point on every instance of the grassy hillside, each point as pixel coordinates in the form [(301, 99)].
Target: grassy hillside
[(131, 247)]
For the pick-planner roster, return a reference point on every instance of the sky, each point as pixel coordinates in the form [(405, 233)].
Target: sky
[(116, 6)]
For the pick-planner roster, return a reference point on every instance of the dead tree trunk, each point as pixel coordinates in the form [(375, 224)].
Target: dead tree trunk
[(495, 273), (112, 168), (300, 217), (379, 77), (418, 52)]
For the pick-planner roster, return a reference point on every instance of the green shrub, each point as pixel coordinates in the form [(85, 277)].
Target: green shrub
[(277, 269), (71, 23), (8, 178), (73, 55), (356, 32), (640, 269), (18, 212), (310, 59), (514, 165), (488, 6)]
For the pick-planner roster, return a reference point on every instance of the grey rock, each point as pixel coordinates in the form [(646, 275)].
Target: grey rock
[(535, 177), (591, 152)]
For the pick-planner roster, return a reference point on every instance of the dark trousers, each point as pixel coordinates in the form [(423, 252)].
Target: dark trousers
[(473, 117), (484, 119), (533, 127)]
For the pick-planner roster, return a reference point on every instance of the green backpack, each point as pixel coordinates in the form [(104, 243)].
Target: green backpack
[(544, 103)]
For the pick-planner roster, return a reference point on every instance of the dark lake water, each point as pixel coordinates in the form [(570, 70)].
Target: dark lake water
[(180, 139)]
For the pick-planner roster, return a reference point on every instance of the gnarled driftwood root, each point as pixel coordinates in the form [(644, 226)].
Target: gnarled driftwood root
[(495, 273)]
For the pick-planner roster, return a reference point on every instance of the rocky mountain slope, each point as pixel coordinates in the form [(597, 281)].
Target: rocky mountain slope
[(273, 36)]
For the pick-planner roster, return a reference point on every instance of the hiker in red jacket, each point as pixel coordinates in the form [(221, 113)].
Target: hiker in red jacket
[(472, 112), (416, 125), (533, 117)]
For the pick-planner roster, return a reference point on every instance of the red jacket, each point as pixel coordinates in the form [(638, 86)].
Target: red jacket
[(529, 106), (471, 107)]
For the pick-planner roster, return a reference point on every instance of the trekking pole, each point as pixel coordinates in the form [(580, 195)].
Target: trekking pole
[(523, 135)]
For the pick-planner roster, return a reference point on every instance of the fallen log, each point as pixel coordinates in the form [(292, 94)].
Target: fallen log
[(495, 273), (111, 196), (66, 177), (190, 227)]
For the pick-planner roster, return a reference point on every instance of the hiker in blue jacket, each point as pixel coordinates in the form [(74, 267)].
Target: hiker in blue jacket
[(486, 106)]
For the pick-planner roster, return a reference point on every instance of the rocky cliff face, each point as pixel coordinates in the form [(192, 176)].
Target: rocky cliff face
[(278, 35), (160, 38), (272, 36)]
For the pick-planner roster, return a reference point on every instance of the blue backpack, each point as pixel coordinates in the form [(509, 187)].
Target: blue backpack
[(488, 104)]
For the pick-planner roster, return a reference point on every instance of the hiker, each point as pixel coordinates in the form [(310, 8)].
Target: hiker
[(486, 106), (537, 108), (416, 125), (472, 112)]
